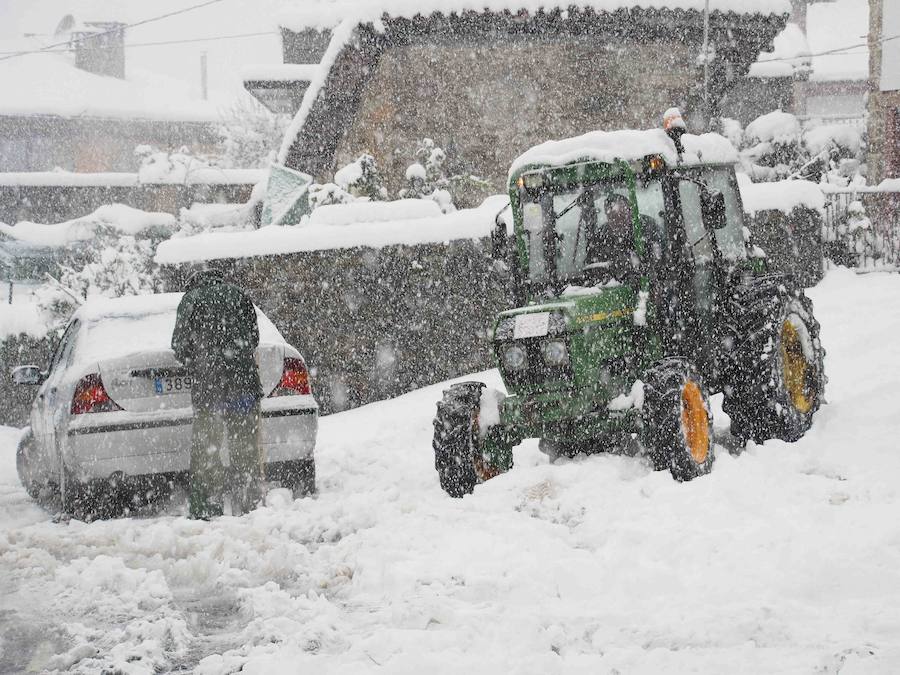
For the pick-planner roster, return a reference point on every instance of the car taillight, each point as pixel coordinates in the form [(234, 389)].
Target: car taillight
[(90, 396), (294, 379)]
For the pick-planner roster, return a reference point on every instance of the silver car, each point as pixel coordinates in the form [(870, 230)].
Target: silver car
[(113, 411)]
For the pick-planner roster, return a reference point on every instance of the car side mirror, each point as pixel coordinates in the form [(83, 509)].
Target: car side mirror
[(28, 375), (713, 204)]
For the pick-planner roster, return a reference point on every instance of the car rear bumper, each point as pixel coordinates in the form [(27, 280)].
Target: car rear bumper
[(99, 445)]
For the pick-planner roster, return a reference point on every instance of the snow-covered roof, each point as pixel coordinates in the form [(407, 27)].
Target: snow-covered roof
[(50, 84), (626, 144), (829, 26), (281, 72), (329, 13), (97, 307)]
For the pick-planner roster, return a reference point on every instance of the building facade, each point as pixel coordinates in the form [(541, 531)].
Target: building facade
[(884, 90)]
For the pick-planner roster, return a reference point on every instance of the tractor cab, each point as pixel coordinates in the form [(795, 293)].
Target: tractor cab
[(640, 225)]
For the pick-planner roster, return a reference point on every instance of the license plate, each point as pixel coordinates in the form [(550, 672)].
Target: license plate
[(172, 385)]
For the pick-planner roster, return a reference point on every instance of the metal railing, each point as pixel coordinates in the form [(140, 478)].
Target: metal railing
[(862, 227)]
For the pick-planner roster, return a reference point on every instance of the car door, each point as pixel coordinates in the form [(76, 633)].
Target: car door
[(51, 407)]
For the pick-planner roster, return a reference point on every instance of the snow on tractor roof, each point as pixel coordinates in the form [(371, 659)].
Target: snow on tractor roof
[(626, 144)]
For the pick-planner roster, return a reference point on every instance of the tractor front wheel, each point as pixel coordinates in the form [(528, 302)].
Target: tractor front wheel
[(457, 440), (677, 420)]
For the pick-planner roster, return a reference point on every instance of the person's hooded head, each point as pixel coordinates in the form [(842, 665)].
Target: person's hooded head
[(203, 277), (618, 213)]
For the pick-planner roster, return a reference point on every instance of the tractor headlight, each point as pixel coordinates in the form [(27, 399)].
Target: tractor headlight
[(555, 353), (514, 357)]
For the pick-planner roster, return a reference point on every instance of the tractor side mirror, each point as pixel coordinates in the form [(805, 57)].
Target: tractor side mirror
[(499, 237), (27, 375), (713, 204)]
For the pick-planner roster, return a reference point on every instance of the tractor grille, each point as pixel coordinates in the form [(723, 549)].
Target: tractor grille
[(536, 374)]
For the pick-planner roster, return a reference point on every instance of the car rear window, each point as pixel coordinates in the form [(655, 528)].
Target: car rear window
[(118, 335)]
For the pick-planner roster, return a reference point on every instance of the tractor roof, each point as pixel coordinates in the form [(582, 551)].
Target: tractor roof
[(625, 144)]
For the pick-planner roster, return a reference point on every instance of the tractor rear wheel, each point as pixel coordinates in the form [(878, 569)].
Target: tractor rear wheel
[(457, 440), (777, 377), (677, 420)]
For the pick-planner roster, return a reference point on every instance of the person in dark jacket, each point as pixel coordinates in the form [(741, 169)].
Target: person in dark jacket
[(215, 337)]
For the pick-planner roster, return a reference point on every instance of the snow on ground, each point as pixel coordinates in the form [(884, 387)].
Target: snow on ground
[(786, 559)]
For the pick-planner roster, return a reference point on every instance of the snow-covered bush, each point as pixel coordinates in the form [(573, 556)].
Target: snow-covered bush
[(251, 135), (776, 146), (440, 177), (325, 194), (116, 265), (159, 166), (361, 178)]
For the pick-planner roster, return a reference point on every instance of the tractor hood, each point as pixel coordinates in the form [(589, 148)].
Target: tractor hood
[(577, 309)]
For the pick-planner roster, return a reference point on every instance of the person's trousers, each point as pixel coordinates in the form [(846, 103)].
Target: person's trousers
[(213, 430)]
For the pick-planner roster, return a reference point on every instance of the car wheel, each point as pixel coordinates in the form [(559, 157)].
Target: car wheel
[(25, 466)]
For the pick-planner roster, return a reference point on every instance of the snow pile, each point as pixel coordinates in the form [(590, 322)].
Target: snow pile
[(329, 13), (274, 240), (784, 558), (790, 53), (774, 127), (22, 317), (374, 212), (784, 196), (625, 144), (823, 137), (839, 27), (121, 218)]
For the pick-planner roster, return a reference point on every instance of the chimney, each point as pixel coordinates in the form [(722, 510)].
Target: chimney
[(798, 13), (100, 48)]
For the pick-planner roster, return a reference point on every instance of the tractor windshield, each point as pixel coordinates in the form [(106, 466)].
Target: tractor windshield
[(585, 235)]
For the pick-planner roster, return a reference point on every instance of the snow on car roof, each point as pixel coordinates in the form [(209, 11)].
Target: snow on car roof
[(626, 144), (136, 323)]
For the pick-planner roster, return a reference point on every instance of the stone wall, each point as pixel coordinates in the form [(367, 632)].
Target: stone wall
[(376, 323), (487, 102)]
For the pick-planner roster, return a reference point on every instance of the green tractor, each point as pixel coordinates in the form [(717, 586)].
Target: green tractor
[(638, 295)]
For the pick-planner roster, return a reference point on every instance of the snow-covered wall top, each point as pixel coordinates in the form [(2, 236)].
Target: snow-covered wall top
[(329, 13), (48, 84), (782, 196), (274, 240), (201, 176), (627, 144)]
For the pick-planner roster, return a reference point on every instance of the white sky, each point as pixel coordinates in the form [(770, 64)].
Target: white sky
[(179, 62)]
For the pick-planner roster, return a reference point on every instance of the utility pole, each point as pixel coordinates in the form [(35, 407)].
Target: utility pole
[(706, 65), (204, 84)]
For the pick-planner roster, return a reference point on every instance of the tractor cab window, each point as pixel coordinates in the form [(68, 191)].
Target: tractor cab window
[(695, 231), (730, 238)]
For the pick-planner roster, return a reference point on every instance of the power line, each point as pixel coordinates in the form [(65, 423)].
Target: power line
[(164, 42), (839, 50), (114, 30)]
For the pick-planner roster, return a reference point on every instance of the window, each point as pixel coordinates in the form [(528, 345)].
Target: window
[(701, 248), (729, 239)]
